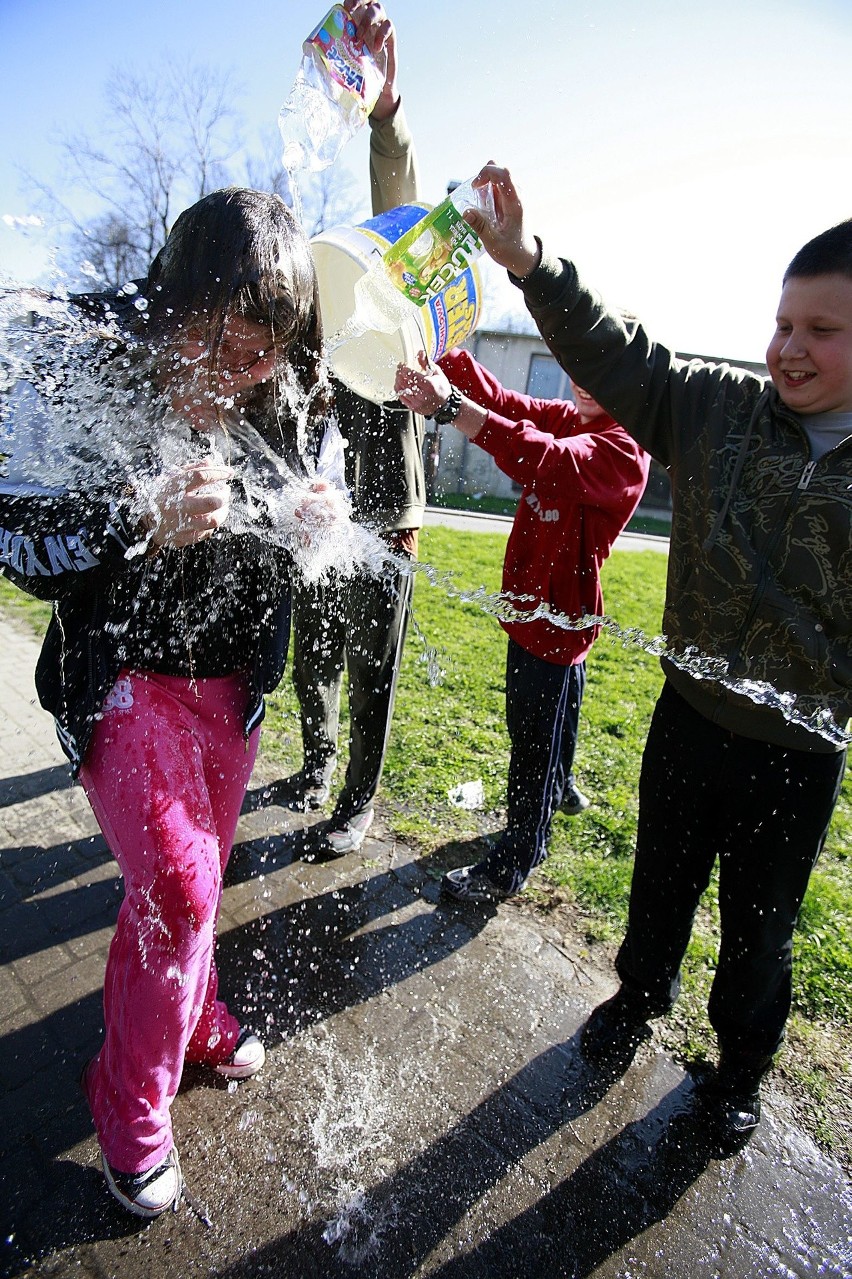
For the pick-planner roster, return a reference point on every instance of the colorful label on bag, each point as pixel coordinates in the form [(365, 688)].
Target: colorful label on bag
[(432, 254), (450, 315), (344, 57)]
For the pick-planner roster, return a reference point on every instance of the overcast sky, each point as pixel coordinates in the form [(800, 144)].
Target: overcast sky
[(680, 152)]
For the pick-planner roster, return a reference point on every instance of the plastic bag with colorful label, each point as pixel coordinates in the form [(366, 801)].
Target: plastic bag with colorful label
[(440, 248), (335, 90)]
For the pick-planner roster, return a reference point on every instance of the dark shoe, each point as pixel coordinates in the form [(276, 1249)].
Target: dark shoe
[(731, 1098), (147, 1194), (574, 802), (615, 1030), (467, 884), (301, 793)]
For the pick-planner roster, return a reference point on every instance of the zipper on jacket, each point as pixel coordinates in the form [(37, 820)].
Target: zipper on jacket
[(807, 475)]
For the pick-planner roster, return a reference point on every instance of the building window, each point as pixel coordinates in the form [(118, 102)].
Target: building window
[(546, 380)]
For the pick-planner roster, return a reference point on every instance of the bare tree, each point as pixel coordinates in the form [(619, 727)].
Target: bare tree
[(167, 139), (321, 200), (329, 200), (107, 249)]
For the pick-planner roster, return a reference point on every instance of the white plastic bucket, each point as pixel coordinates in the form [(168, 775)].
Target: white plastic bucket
[(368, 364)]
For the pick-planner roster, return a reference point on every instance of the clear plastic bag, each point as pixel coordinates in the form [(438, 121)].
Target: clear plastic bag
[(335, 90), (435, 252)]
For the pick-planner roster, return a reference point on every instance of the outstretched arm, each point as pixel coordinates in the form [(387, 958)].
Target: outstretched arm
[(541, 450)]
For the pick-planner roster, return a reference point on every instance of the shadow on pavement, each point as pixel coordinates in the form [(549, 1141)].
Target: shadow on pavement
[(311, 967), (43, 920), (623, 1187), (321, 961), (457, 852), (43, 781), (73, 1207), (256, 798)]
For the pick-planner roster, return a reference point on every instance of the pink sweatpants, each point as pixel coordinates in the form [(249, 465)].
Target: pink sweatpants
[(165, 773)]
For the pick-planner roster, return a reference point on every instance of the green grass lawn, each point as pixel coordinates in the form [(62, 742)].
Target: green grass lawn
[(455, 732)]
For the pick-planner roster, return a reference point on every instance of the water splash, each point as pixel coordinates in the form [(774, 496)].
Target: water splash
[(429, 657), (78, 402), (379, 307), (797, 708), (353, 328), (292, 193), (355, 1232), (87, 429), (22, 222), (351, 1133)]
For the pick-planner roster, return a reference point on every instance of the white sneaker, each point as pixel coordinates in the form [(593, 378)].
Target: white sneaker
[(350, 835), (246, 1059), (147, 1194), (574, 802)]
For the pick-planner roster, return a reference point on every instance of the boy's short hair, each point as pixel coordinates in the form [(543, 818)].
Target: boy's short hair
[(827, 254)]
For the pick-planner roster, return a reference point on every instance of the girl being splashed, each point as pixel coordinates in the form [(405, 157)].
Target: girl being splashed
[(171, 620)]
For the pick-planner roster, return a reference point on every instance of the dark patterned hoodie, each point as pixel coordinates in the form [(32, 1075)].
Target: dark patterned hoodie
[(758, 613)]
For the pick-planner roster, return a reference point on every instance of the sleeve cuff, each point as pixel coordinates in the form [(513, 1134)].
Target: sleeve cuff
[(391, 137)]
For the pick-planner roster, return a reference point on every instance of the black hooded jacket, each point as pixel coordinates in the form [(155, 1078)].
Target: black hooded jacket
[(216, 608)]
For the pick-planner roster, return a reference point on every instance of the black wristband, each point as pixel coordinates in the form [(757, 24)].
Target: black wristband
[(449, 410)]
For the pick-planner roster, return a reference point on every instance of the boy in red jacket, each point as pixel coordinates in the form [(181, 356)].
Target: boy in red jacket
[(582, 478)]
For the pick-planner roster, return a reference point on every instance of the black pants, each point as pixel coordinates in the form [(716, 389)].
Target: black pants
[(542, 715), (764, 812), (360, 623)]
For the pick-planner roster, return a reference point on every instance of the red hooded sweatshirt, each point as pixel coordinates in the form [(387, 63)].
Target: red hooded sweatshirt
[(581, 484)]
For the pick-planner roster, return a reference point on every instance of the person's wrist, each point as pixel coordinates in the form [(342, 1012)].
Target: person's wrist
[(386, 106), (525, 260), (449, 410)]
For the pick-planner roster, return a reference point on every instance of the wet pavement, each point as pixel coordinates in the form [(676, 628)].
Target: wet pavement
[(424, 1110)]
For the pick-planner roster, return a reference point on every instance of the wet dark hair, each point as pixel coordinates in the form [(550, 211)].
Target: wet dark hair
[(238, 251), (234, 252), (829, 253)]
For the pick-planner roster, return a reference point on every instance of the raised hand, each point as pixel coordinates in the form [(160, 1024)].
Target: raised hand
[(322, 507), (505, 237), (190, 504), (374, 28), (423, 389)]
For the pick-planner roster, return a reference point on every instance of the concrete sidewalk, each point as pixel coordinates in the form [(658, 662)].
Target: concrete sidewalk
[(424, 1109)]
